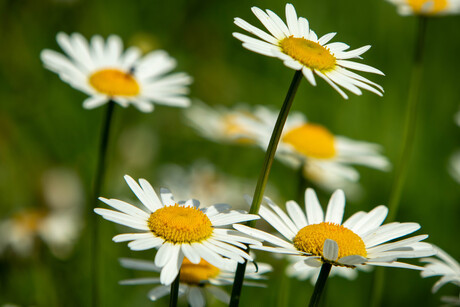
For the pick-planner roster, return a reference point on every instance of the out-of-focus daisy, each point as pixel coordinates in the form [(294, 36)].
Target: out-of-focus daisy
[(319, 238), (326, 158), (58, 224), (178, 229), (446, 267), (300, 49), (427, 7), (220, 124), (105, 72), (195, 279), (203, 181)]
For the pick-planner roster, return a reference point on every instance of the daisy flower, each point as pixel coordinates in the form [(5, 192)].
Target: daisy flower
[(196, 279), (220, 124), (178, 229), (326, 158), (319, 238), (446, 267), (300, 49), (427, 7), (104, 72), (58, 224)]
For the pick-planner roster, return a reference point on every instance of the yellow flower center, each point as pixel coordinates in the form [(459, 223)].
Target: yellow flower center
[(196, 274), (310, 239), (311, 140), (309, 53), (178, 224), (114, 82), (29, 221), (435, 6)]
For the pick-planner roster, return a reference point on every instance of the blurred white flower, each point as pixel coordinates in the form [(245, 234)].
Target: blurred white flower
[(204, 182), (195, 279), (326, 158), (427, 7), (58, 225)]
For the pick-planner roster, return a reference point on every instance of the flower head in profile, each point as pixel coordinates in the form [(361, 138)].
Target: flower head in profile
[(300, 48), (447, 268), (427, 7), (178, 229), (196, 279), (102, 70), (323, 238)]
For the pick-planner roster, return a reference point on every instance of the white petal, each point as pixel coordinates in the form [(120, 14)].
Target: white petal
[(195, 297), (330, 250), (313, 208), (262, 235), (335, 208), (94, 101), (158, 292), (167, 197), (296, 214)]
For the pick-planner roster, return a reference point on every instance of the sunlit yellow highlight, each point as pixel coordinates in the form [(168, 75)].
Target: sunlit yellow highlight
[(311, 140), (179, 224), (435, 6), (309, 53), (196, 274), (310, 239), (114, 82)]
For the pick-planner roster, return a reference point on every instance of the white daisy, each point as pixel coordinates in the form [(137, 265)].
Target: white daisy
[(446, 267), (326, 159), (104, 72), (427, 7), (178, 229), (360, 240), (300, 49), (195, 279)]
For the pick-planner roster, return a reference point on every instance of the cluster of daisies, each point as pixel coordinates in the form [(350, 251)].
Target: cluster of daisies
[(203, 245)]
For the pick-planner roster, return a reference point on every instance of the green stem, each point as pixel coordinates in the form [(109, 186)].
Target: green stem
[(407, 146), (320, 283), (98, 182), (263, 177), (174, 291)]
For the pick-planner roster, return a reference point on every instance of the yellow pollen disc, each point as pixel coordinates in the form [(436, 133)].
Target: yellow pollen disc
[(29, 221), (310, 239), (435, 6), (196, 274), (309, 53), (179, 224), (114, 82), (311, 140)]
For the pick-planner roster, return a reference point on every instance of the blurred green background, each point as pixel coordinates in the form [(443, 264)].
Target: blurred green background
[(43, 126)]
